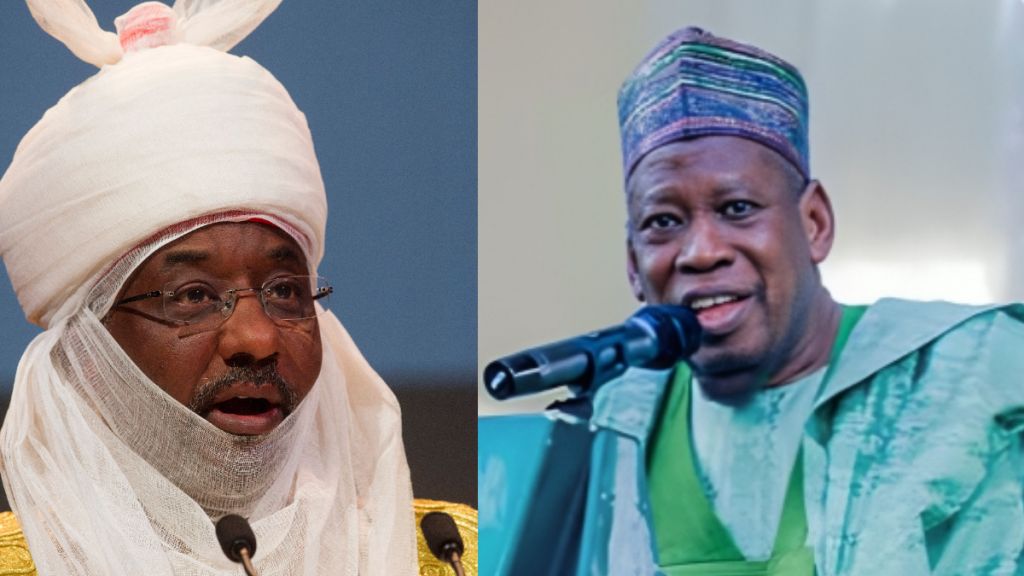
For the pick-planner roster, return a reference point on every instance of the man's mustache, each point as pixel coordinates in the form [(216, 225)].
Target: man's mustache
[(266, 374)]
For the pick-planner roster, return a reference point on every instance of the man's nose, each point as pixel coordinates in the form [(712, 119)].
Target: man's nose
[(248, 336), (704, 247)]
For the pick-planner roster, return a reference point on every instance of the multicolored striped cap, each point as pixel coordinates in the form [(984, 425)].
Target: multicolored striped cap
[(697, 84)]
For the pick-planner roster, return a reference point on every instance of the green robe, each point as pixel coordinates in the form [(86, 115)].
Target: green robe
[(690, 538), (912, 459)]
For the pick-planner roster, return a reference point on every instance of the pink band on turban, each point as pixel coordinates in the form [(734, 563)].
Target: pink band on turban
[(147, 25)]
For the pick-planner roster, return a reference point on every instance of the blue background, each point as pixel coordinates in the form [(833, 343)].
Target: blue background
[(389, 89)]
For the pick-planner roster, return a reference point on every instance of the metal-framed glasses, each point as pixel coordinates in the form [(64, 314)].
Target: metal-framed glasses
[(199, 304)]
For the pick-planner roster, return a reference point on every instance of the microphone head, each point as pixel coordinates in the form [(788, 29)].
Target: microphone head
[(677, 331), (500, 376), (442, 535), (234, 534)]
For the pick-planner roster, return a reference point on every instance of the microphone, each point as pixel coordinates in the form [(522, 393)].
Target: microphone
[(443, 539), (237, 541), (654, 337)]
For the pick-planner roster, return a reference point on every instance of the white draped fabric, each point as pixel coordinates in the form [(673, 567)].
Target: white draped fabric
[(106, 472), (164, 135)]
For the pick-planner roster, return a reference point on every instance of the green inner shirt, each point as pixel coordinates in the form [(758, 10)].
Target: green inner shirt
[(690, 538)]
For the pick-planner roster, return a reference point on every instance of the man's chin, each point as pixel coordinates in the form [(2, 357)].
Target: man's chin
[(726, 377), (730, 392)]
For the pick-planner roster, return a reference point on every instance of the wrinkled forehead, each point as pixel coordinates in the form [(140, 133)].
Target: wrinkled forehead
[(107, 287), (728, 160), (226, 251)]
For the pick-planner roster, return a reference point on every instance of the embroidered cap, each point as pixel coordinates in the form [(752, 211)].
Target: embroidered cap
[(697, 84)]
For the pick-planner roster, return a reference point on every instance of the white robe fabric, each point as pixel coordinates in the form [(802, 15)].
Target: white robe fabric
[(107, 473), (732, 442)]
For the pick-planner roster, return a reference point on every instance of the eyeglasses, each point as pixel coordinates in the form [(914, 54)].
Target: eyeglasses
[(201, 306)]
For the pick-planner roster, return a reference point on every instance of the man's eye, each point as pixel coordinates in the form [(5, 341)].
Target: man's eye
[(284, 290), (660, 222), (194, 296), (287, 289), (738, 209)]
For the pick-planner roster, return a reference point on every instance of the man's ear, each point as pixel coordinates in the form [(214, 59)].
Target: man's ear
[(631, 271), (818, 220)]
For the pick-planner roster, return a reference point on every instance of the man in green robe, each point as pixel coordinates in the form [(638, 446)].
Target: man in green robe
[(803, 437)]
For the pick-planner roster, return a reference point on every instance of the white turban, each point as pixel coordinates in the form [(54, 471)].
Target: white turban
[(107, 473), (164, 135)]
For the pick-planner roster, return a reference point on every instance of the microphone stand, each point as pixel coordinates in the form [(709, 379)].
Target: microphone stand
[(452, 556), (456, 563), (247, 563)]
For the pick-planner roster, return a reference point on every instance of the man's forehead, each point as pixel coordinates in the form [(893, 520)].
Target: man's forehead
[(718, 147), (731, 156), (222, 242)]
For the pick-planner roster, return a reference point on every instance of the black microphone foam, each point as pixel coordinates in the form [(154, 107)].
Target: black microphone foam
[(234, 534), (442, 535)]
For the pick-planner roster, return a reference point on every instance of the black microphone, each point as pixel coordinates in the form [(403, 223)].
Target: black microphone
[(655, 337), (237, 541), (443, 539)]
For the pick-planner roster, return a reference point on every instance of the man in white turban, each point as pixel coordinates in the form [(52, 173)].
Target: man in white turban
[(163, 223)]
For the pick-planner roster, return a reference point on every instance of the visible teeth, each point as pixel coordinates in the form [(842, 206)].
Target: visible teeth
[(709, 301)]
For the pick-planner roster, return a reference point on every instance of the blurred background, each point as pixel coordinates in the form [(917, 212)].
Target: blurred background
[(389, 89), (917, 132)]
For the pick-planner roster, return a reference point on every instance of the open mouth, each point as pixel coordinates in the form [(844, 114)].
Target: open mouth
[(245, 416), (245, 406), (719, 313), (245, 401), (708, 302)]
